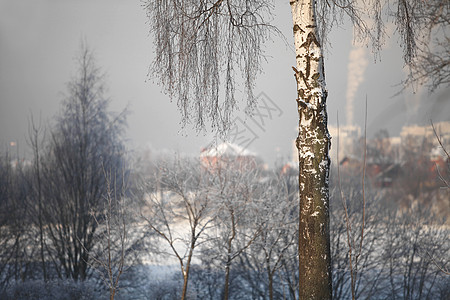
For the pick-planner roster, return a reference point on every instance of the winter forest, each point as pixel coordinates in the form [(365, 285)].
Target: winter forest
[(347, 216)]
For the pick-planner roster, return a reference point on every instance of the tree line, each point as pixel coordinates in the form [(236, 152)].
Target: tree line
[(79, 222), (53, 208)]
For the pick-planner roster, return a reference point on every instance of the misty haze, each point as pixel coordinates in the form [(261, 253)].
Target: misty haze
[(220, 149)]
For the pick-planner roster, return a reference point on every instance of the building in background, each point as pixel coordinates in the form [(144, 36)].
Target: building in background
[(229, 155), (348, 138)]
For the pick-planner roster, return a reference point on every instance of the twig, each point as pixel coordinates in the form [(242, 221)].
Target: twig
[(347, 220), (439, 140), (445, 271)]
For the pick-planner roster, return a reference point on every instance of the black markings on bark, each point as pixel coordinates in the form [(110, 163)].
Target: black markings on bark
[(299, 75), (310, 39), (297, 28)]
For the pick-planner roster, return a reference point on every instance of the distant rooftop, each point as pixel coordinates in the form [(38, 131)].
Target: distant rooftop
[(226, 149)]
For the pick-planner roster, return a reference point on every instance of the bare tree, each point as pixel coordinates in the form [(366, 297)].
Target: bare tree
[(16, 235), (357, 263), (279, 225), (237, 199), (413, 236), (5, 234), (85, 139), (178, 210), (254, 235), (36, 140), (10, 233), (114, 236)]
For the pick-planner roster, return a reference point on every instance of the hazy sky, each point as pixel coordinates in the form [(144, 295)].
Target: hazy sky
[(39, 40)]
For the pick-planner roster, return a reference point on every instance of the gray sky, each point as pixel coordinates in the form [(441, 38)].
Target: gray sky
[(40, 38)]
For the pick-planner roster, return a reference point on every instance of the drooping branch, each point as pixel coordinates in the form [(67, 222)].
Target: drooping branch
[(202, 48)]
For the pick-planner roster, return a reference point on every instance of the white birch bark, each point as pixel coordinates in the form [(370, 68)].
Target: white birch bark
[(313, 143)]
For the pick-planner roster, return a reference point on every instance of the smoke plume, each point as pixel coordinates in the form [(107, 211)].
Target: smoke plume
[(357, 63)]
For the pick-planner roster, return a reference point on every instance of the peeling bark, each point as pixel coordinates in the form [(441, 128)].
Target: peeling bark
[(313, 143)]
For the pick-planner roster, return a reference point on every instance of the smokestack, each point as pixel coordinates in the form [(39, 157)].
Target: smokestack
[(357, 63)]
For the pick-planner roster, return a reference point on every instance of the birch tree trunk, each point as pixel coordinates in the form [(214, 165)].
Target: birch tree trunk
[(313, 143)]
